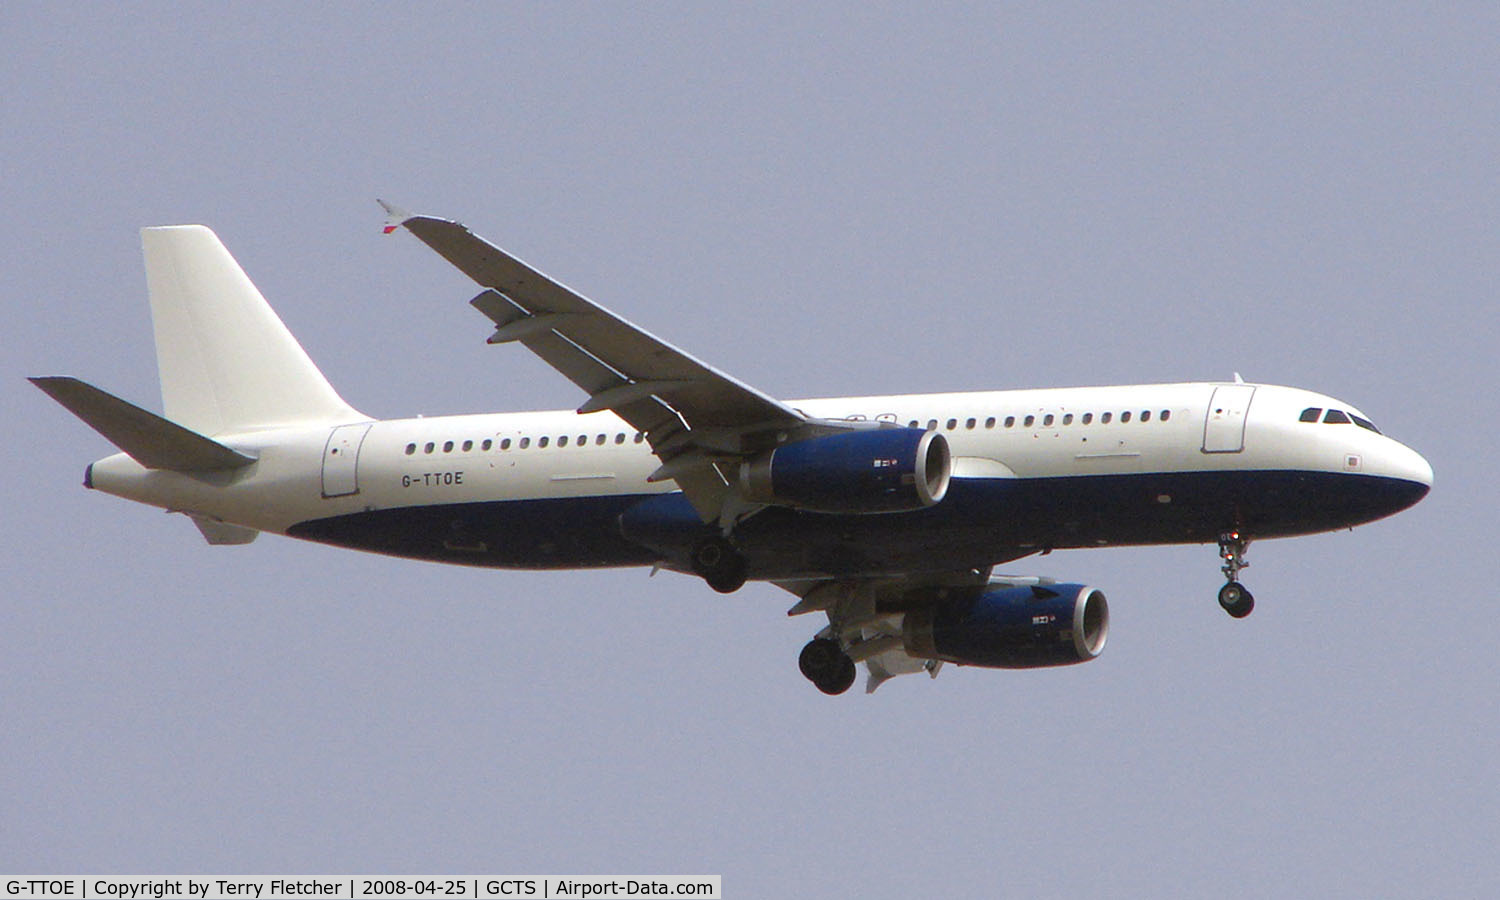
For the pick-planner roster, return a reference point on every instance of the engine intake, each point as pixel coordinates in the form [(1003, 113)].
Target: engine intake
[(1011, 627), (870, 471)]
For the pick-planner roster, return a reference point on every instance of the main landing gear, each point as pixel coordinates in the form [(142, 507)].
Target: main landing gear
[(827, 666), (1234, 597), (718, 563)]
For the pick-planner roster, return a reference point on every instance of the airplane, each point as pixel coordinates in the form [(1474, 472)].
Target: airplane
[(887, 514)]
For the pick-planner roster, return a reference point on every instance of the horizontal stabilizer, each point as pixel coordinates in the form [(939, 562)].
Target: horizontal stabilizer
[(147, 438)]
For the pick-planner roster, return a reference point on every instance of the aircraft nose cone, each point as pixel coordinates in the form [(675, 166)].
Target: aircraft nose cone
[(1421, 470), (1410, 470), (1409, 465)]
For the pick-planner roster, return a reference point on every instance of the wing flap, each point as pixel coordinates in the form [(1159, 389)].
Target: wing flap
[(597, 378)]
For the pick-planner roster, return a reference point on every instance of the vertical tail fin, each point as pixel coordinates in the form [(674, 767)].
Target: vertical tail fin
[(226, 361)]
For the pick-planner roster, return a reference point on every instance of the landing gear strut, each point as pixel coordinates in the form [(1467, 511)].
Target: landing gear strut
[(827, 666), (1234, 597), (719, 564)]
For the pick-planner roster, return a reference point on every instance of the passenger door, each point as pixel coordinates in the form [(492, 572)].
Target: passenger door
[(1224, 428)]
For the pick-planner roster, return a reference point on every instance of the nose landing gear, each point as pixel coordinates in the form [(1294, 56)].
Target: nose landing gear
[(1234, 597)]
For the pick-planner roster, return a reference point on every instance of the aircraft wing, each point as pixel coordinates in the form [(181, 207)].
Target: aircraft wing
[(694, 416)]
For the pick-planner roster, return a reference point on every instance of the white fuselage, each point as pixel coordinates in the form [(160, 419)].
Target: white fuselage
[(303, 475)]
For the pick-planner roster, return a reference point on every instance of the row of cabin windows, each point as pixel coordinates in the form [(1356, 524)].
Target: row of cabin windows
[(522, 443), (1047, 420), (1335, 417)]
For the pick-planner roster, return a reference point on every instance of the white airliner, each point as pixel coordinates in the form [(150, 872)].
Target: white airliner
[(887, 514)]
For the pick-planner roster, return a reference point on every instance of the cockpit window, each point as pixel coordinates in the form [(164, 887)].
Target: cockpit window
[(1336, 417)]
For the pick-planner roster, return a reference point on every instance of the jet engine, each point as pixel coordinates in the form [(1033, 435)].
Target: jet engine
[(868, 471), (1010, 627)]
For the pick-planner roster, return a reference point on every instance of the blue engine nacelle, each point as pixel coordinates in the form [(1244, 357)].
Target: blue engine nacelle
[(873, 470), (1011, 627)]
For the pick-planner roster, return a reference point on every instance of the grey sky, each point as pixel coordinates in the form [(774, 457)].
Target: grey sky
[(826, 201)]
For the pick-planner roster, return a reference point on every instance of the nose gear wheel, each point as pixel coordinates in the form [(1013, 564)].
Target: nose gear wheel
[(1236, 600)]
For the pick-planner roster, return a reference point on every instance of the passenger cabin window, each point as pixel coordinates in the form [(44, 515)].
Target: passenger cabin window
[(1104, 419), (1166, 414), (990, 422), (1068, 419), (447, 446), (505, 443), (1145, 415), (952, 424), (970, 424), (410, 449), (428, 448), (1047, 419), (1125, 416), (932, 424), (541, 442), (1029, 421), (1335, 417), (620, 438), (562, 441), (487, 444), (1087, 418), (468, 445), (525, 442), (1010, 421), (912, 424)]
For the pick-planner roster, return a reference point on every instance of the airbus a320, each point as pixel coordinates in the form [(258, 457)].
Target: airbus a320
[(885, 514)]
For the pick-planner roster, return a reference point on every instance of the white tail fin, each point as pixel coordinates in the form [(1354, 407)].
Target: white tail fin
[(227, 363)]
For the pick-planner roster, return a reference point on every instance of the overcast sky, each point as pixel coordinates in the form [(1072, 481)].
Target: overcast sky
[(849, 199)]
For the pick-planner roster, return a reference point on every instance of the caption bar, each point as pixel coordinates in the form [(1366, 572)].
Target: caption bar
[(360, 888)]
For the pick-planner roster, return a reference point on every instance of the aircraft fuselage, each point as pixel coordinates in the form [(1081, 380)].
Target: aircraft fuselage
[(1033, 470)]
